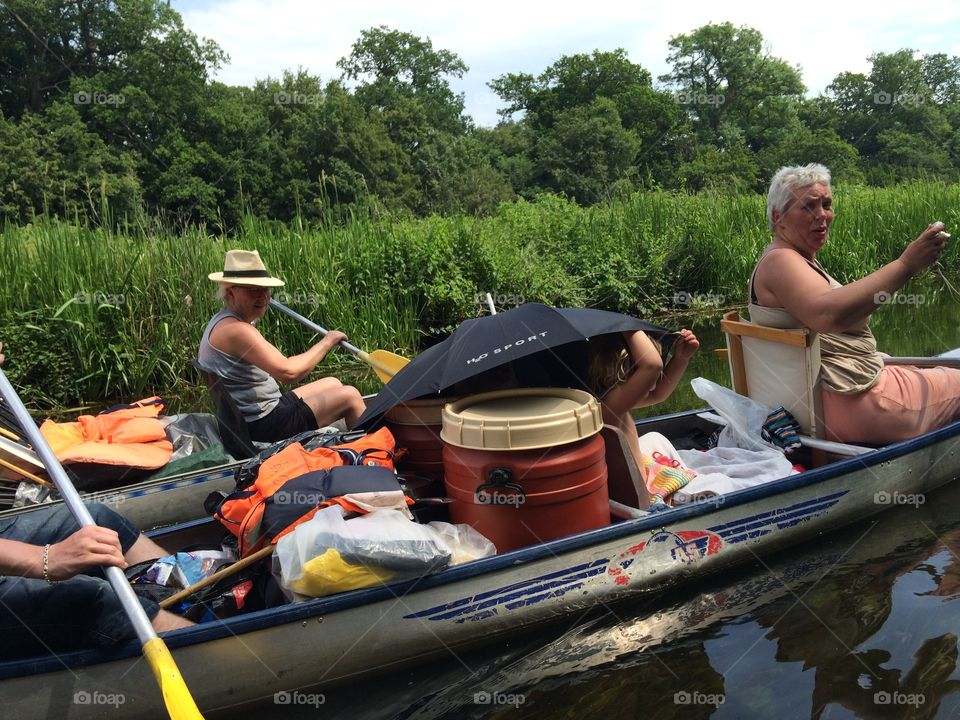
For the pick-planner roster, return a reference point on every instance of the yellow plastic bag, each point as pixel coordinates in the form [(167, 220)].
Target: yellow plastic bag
[(329, 573)]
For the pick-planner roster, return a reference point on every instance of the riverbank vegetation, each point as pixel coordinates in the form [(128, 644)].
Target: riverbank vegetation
[(94, 314)]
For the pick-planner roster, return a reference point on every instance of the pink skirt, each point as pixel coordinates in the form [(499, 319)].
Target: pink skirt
[(905, 402)]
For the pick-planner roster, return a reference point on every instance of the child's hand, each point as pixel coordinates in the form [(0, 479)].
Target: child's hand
[(685, 345)]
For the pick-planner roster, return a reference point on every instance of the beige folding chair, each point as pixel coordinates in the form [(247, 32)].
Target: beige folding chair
[(776, 367)]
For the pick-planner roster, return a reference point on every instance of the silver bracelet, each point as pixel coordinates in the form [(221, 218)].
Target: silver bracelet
[(46, 564)]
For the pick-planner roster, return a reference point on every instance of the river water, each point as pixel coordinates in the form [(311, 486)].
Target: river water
[(861, 623)]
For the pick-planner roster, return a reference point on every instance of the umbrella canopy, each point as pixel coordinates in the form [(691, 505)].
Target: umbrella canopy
[(532, 345)]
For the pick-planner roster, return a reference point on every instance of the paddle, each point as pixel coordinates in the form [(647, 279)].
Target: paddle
[(179, 702), (924, 362), (384, 363)]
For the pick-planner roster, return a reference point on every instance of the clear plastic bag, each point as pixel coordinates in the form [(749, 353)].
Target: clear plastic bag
[(329, 554), (745, 417), (465, 543)]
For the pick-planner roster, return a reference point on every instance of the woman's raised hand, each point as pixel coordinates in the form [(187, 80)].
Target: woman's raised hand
[(926, 249)]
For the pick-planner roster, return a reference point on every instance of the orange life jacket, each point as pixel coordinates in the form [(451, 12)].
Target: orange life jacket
[(130, 436), (241, 511)]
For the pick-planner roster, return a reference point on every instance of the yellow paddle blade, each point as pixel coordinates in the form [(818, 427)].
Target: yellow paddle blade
[(384, 363), (179, 701)]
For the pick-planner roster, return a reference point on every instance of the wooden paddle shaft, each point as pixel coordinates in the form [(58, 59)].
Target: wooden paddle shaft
[(217, 576), (27, 474)]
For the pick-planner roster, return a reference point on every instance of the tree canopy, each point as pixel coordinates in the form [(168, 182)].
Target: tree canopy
[(108, 110)]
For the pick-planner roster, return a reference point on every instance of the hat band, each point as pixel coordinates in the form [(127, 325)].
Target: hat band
[(245, 273)]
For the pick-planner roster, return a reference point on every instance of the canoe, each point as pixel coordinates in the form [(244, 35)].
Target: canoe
[(291, 653), (158, 503)]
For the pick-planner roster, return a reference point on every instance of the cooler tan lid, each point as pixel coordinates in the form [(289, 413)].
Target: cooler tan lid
[(423, 411), (521, 419)]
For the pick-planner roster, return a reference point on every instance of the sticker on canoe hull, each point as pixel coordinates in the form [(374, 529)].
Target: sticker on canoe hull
[(661, 549)]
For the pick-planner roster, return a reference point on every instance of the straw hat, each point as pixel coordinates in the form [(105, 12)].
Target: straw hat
[(244, 267)]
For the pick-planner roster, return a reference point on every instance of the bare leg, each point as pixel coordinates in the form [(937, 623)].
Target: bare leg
[(144, 549), (330, 400), (169, 621)]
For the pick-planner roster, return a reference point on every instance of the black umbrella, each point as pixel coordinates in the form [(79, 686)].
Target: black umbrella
[(532, 345)]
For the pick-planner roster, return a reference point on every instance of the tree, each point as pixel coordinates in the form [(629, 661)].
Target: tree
[(721, 76), (389, 64), (637, 127)]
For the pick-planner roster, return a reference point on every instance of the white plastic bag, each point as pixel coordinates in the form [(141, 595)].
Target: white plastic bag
[(745, 417), (328, 554), (463, 542)]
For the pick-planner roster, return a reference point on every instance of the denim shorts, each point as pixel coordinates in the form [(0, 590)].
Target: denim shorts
[(290, 417), (39, 619)]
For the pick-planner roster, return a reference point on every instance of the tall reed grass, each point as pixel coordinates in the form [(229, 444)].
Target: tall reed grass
[(97, 315)]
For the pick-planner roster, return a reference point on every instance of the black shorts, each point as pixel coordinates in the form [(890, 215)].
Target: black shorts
[(290, 417)]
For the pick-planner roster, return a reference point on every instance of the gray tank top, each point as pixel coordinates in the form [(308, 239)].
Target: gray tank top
[(255, 392), (850, 362)]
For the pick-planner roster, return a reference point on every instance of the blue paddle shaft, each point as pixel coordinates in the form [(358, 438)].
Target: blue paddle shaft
[(310, 324), (132, 606)]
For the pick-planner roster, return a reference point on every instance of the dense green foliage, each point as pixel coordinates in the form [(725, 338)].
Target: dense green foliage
[(91, 314), (108, 112)]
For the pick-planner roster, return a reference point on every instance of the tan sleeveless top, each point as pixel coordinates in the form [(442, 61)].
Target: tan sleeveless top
[(850, 361)]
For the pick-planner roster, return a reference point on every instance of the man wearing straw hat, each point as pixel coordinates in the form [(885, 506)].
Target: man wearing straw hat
[(250, 367)]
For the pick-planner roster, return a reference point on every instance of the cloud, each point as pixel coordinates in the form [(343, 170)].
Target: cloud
[(499, 36)]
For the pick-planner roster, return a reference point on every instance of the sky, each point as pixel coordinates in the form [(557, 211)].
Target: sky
[(495, 37)]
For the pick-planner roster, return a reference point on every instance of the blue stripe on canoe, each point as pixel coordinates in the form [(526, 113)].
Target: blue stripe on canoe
[(744, 528), (779, 519), (514, 594)]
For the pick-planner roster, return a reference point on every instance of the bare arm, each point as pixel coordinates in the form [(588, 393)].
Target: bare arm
[(785, 280), (244, 341), (647, 365), (684, 348)]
